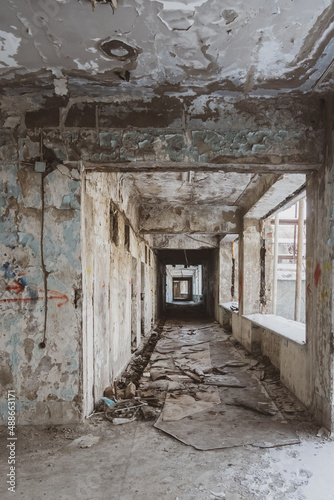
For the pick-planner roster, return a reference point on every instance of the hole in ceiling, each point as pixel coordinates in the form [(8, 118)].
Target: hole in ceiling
[(123, 75), (118, 50)]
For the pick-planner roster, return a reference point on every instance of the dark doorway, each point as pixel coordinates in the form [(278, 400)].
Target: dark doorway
[(134, 305)]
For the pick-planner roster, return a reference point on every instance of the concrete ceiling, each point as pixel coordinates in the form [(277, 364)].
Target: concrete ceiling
[(174, 46), (192, 187)]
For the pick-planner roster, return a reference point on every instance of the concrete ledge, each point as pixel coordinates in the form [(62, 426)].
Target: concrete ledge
[(282, 340), (225, 315), (292, 330)]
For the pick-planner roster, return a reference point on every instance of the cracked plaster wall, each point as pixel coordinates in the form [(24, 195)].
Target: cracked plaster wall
[(40, 257)]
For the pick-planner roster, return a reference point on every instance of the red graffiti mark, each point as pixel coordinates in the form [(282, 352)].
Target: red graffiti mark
[(104, 285), (308, 289), (57, 295), (52, 294), (17, 288), (317, 274), (26, 299)]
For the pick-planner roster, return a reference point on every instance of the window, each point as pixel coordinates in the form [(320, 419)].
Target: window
[(290, 264)]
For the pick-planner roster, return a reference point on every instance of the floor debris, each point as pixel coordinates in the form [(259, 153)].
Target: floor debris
[(217, 419), (200, 390), (125, 409), (84, 441)]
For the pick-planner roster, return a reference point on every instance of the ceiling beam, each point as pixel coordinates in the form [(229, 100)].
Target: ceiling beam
[(186, 241), (246, 165), (180, 219)]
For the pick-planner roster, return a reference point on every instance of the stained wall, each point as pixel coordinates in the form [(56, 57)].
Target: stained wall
[(40, 300)]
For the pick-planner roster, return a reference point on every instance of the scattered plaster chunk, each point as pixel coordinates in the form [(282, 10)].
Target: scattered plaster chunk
[(60, 86)]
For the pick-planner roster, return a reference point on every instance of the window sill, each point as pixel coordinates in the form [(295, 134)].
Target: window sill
[(291, 330)]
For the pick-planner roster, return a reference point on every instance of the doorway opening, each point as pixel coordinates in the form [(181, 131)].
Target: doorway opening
[(182, 289)]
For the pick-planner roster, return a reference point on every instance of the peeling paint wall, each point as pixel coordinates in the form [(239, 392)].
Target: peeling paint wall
[(120, 280), (40, 290)]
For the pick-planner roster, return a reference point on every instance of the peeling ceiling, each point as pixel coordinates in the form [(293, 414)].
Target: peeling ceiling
[(158, 46), (179, 66)]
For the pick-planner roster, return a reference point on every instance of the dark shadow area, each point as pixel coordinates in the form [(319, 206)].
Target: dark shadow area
[(185, 311)]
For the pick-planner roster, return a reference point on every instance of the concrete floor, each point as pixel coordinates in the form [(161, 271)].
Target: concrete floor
[(138, 461)]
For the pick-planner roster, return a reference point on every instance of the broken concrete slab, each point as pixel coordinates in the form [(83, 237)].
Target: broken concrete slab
[(179, 406), (205, 431), (223, 381)]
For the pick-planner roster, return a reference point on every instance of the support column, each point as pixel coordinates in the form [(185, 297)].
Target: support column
[(298, 297), (319, 284), (249, 267), (276, 235), (225, 271)]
